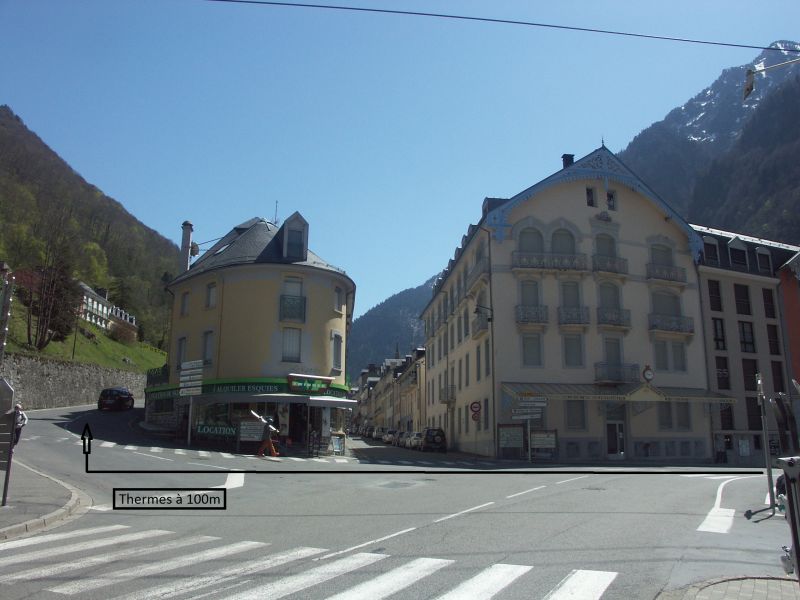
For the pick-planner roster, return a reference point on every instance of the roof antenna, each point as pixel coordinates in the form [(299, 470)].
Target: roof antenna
[(275, 220), (602, 141)]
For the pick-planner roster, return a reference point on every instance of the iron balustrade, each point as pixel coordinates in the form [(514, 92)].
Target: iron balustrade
[(539, 260), (573, 315), (674, 323), (531, 314), (480, 268), (158, 376), (293, 308), (666, 272), (621, 317), (609, 264), (480, 324)]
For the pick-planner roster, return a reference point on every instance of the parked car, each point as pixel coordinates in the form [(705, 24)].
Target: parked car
[(433, 438), (378, 433), (369, 431), (117, 398), (414, 440), (389, 436), (400, 442)]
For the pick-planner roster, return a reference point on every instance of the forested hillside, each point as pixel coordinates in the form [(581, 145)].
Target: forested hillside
[(54, 222)]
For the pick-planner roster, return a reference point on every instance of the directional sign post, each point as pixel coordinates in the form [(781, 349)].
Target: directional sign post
[(191, 384), (8, 417)]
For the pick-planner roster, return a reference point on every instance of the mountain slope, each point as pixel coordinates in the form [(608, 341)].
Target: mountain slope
[(670, 154), (754, 188), (391, 326), (41, 196)]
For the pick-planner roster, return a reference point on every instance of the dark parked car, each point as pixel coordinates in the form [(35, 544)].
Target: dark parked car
[(118, 398), (433, 439)]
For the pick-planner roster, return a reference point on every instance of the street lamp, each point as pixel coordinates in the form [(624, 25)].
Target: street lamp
[(749, 82), (480, 310)]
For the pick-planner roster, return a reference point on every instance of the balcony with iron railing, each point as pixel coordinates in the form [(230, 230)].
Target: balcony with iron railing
[(293, 308), (671, 323), (480, 268), (609, 264), (526, 313), (605, 372), (158, 376), (666, 273), (447, 394), (573, 315), (548, 261), (480, 325), (613, 317)]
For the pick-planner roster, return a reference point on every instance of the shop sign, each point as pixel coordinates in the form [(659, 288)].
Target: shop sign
[(543, 439), (216, 430), (245, 388), (511, 437), (251, 431), (306, 385)]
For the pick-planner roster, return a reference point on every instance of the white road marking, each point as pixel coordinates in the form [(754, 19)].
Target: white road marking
[(695, 475), (180, 451), (526, 491), (718, 519), (156, 449), (207, 466), (82, 546), (393, 581), (107, 444), (102, 559), (203, 453), (234, 480), (296, 458), (340, 460), (487, 583), (224, 574), (54, 537), (151, 456), (273, 458), (101, 507), (464, 512), (297, 583), (573, 479), (131, 448), (150, 569), (322, 460), (351, 548), (225, 455), (586, 585)]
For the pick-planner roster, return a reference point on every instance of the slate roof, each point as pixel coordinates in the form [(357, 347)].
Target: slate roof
[(252, 242)]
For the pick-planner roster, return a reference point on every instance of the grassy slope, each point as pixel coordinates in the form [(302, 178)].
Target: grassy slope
[(101, 351)]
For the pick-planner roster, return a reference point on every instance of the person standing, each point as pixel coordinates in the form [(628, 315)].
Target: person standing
[(266, 442), (20, 420)]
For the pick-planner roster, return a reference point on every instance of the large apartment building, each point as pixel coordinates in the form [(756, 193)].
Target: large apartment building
[(745, 336), (569, 325), (267, 320)]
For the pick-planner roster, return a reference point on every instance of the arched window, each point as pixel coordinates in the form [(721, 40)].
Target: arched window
[(563, 242), (609, 295), (530, 240), (662, 255), (665, 303), (606, 245)]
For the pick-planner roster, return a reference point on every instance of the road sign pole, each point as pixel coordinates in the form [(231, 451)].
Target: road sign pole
[(189, 425), (530, 455)]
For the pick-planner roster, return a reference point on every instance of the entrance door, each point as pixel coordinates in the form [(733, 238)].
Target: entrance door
[(615, 436)]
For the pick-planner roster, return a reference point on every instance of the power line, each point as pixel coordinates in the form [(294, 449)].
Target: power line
[(410, 13)]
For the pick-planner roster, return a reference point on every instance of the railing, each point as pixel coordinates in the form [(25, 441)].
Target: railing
[(573, 315), (673, 323), (481, 266), (534, 260), (447, 394), (531, 314), (158, 376), (621, 317), (609, 264), (615, 372), (293, 308), (666, 272), (480, 324)]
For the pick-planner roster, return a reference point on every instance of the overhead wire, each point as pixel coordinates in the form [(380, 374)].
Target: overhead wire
[(412, 13)]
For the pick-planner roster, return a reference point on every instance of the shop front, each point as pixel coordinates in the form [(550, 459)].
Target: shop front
[(223, 416)]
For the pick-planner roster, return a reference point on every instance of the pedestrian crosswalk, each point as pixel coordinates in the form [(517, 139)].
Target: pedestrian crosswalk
[(119, 563)]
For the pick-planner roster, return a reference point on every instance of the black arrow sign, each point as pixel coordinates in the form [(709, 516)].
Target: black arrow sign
[(87, 438)]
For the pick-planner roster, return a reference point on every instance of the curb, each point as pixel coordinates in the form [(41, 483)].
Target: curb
[(77, 505), (690, 592)]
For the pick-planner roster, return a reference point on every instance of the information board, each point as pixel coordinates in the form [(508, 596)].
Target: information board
[(511, 437), (251, 431)]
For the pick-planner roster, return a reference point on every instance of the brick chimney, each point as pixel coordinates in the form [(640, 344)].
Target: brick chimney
[(567, 160)]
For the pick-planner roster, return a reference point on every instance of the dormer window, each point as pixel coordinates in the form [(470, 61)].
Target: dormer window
[(764, 262), (738, 254), (711, 251), (295, 238)]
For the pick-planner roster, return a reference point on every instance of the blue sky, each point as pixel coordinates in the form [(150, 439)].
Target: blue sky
[(385, 132)]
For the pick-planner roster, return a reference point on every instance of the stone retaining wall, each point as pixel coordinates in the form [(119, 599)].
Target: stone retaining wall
[(47, 383)]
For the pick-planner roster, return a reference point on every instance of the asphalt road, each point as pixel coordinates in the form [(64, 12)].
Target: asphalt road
[(394, 523)]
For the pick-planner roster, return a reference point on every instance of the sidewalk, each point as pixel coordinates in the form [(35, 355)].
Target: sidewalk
[(36, 501), (740, 588)]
